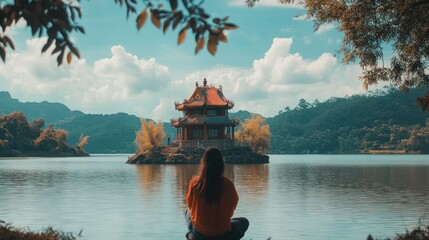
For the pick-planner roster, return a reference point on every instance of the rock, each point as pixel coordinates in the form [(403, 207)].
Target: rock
[(169, 155)]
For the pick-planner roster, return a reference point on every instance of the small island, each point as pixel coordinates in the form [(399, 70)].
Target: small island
[(205, 123), (20, 138)]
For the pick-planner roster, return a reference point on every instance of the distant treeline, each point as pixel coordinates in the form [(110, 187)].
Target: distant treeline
[(18, 137), (379, 122)]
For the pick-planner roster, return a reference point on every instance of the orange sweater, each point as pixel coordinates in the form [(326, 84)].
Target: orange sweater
[(212, 219)]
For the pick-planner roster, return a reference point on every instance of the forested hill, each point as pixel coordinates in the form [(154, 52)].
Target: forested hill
[(361, 123), (108, 133), (50, 112)]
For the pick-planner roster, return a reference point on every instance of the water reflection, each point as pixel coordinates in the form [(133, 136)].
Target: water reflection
[(149, 178), (293, 197), (183, 174), (371, 178), (251, 179)]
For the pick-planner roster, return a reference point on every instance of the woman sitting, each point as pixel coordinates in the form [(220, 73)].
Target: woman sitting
[(211, 202)]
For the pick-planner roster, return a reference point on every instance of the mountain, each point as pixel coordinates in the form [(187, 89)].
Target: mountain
[(380, 121), (360, 123), (51, 112), (242, 115), (110, 133)]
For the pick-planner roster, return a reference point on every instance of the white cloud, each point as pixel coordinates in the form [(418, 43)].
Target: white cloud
[(127, 83), (120, 83), (281, 78)]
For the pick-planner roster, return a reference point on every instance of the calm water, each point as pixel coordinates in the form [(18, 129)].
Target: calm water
[(293, 197)]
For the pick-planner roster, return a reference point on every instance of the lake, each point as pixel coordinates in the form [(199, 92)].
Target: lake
[(292, 197)]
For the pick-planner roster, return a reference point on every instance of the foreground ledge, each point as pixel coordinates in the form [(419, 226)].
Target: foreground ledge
[(175, 155)]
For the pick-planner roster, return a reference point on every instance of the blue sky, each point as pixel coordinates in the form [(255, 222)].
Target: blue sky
[(272, 61)]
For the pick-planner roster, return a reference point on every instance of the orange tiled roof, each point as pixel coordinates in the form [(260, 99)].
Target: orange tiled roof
[(208, 95)]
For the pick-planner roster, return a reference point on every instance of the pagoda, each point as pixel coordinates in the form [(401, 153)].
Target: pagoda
[(205, 120)]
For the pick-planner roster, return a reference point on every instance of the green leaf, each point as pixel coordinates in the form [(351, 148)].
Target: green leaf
[(166, 25), (47, 45), (74, 51), (173, 4), (60, 58), (9, 41), (178, 17), (3, 54), (155, 20), (230, 26)]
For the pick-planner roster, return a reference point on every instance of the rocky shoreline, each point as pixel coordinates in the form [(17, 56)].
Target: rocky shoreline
[(174, 155), (15, 153)]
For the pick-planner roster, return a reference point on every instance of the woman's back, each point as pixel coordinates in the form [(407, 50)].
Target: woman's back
[(211, 201), (212, 219)]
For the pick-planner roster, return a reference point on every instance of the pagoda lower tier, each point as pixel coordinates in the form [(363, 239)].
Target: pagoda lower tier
[(205, 131)]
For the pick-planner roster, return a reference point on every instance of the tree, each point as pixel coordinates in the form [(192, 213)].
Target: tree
[(18, 136), (17, 132), (303, 104), (256, 133), (57, 19), (83, 140), (149, 137), (371, 28), (48, 139)]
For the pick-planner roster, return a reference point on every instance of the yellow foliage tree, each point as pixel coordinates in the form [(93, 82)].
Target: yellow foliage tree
[(149, 137), (256, 133), (83, 140)]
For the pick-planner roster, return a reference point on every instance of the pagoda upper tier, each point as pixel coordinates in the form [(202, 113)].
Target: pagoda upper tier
[(208, 96)]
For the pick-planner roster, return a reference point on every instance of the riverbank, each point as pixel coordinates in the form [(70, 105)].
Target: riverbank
[(9, 232), (72, 153)]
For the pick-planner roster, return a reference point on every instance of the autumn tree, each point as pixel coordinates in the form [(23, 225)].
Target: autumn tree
[(58, 19), (17, 133), (83, 140), (51, 139), (374, 29), (255, 133), (18, 136), (149, 137)]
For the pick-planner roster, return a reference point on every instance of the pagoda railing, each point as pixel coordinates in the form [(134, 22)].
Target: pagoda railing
[(220, 143), (235, 120)]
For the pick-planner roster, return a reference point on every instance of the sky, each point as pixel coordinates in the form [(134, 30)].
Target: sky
[(274, 59)]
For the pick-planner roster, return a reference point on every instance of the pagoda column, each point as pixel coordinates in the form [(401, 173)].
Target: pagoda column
[(205, 135)]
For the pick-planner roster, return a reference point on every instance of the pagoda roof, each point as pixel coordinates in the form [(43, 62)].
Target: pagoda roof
[(206, 96), (188, 120)]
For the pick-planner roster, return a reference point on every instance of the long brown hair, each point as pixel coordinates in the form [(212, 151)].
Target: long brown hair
[(209, 186)]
